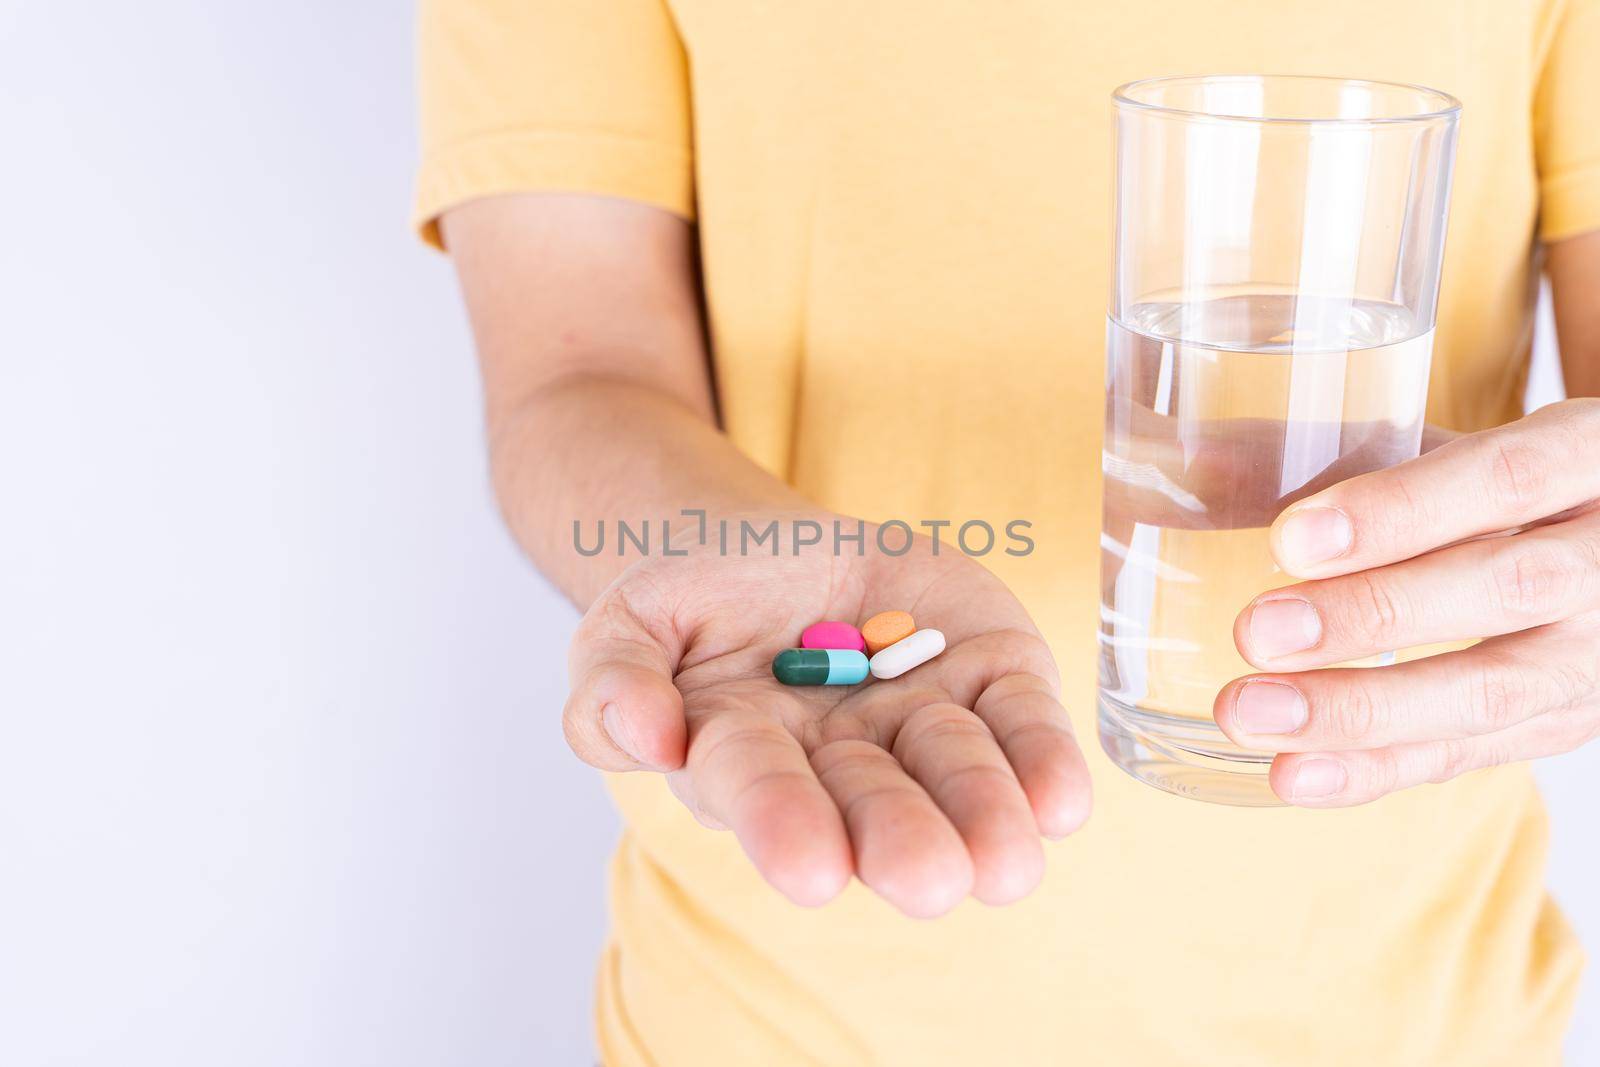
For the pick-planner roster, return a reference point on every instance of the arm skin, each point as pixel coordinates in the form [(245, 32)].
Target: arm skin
[(1573, 266), (596, 378)]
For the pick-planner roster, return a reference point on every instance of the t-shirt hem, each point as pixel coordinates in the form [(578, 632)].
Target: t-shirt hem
[(549, 160), (1569, 204)]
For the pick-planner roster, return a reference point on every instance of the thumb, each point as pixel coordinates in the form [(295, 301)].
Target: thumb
[(624, 713)]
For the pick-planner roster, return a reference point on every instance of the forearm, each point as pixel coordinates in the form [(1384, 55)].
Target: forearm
[(586, 313), (588, 449), (1574, 269)]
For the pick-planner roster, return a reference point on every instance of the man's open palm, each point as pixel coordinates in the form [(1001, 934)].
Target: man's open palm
[(928, 787)]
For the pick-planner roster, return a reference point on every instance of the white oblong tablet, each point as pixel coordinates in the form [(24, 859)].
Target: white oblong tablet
[(907, 653)]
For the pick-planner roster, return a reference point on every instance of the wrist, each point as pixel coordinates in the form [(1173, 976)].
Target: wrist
[(586, 455)]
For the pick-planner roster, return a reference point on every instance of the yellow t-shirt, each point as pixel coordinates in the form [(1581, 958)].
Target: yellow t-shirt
[(903, 210)]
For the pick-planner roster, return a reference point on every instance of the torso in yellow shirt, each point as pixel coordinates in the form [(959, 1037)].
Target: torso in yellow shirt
[(903, 208)]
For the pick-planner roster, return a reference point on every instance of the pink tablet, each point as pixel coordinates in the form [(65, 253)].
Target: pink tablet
[(832, 635)]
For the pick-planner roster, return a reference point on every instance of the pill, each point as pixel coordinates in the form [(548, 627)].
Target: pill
[(885, 628), (832, 635), (820, 666), (901, 656)]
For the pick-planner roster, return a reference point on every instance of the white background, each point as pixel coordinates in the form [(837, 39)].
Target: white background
[(281, 779)]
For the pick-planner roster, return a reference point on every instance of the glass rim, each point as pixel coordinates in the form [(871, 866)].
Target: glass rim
[(1448, 106)]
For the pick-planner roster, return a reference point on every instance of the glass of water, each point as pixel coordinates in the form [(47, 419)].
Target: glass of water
[(1278, 244)]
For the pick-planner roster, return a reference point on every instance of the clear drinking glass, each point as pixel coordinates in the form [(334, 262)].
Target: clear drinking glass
[(1278, 242)]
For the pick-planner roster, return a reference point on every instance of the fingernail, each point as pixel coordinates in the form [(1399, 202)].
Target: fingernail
[(617, 728), (1314, 535), (1279, 627), (1269, 708), (1317, 778)]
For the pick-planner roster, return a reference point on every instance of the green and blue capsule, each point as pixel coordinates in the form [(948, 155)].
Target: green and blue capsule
[(819, 666)]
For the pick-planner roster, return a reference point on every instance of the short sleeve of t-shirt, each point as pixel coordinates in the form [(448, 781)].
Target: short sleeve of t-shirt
[(1567, 123), (583, 96)]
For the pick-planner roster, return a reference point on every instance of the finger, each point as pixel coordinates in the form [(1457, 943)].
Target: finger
[(1032, 728), (953, 755), (623, 712), (1481, 690), (1495, 480), (682, 785), (905, 848), (1341, 779), (1469, 590), (750, 775)]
